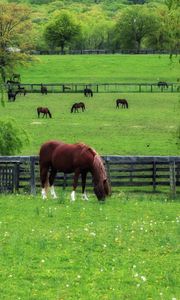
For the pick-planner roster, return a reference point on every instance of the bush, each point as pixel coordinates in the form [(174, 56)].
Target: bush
[(12, 137)]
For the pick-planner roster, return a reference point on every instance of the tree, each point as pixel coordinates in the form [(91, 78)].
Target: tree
[(14, 36), (133, 26), (12, 138), (63, 29)]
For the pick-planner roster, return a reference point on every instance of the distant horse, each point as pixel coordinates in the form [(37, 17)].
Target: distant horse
[(76, 106), (43, 110), (88, 92), (162, 84), (12, 95), (122, 102), (43, 89), (72, 158)]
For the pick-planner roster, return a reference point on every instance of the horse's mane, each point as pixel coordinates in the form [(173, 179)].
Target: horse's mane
[(101, 182), (86, 148), (98, 165)]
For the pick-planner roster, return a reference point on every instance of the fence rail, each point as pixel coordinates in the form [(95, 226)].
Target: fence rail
[(102, 87), (21, 173), (102, 51)]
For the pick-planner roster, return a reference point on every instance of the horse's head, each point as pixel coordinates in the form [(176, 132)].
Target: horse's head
[(102, 189), (101, 184)]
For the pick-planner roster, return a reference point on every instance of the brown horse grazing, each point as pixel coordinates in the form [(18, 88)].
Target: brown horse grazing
[(45, 111), (76, 106), (122, 102), (72, 158)]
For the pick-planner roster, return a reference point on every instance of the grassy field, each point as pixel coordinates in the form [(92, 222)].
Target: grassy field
[(101, 69), (149, 127), (124, 249)]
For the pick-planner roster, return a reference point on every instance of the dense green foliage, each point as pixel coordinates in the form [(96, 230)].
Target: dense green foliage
[(12, 137), (99, 22), (124, 249)]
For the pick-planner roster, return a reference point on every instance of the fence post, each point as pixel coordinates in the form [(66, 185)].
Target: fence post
[(172, 177), (32, 173), (154, 176), (16, 176)]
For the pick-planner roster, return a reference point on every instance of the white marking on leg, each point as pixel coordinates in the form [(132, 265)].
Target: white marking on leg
[(73, 198), (85, 197), (43, 193), (53, 194)]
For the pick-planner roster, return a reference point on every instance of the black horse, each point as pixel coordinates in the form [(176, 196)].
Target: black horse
[(76, 106), (122, 102), (12, 95), (43, 89), (162, 84), (88, 92)]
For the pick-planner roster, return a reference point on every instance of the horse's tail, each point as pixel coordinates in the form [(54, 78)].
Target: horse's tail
[(91, 93), (127, 104), (101, 183), (50, 115)]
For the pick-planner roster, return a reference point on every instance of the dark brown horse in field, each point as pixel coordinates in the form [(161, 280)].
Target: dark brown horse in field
[(76, 106), (162, 84), (43, 110), (12, 95), (88, 92), (72, 158), (122, 102), (43, 89)]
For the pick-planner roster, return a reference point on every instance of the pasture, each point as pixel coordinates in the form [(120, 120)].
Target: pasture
[(150, 126), (101, 69), (124, 249)]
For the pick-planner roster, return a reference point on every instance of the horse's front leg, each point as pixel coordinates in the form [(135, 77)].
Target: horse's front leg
[(83, 177), (75, 183), (51, 181)]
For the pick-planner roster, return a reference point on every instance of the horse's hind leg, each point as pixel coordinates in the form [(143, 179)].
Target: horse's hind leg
[(83, 177), (51, 181), (75, 183), (44, 180)]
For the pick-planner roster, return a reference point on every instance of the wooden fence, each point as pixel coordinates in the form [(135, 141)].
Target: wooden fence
[(103, 87), (152, 173), (102, 51)]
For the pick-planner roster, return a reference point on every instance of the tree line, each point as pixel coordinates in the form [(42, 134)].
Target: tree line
[(154, 26)]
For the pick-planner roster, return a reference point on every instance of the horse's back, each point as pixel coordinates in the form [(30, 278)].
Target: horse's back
[(68, 157), (46, 151)]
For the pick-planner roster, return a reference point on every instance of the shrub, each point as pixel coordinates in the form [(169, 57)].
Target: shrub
[(12, 137)]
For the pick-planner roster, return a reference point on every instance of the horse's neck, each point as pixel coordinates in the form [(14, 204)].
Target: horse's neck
[(98, 171)]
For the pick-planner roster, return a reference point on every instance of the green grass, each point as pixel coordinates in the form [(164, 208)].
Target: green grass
[(101, 69), (148, 127), (124, 249)]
